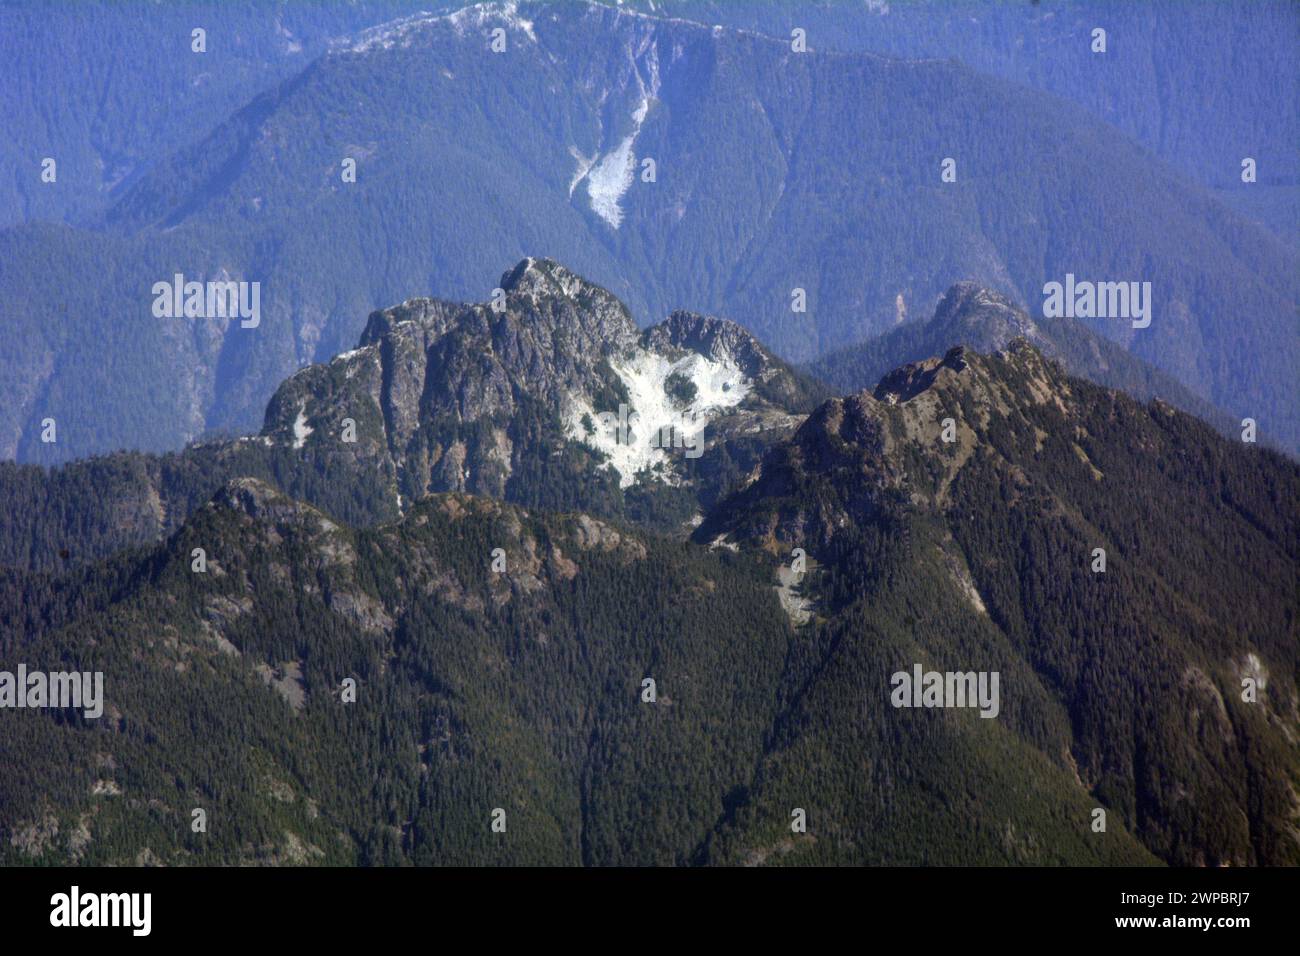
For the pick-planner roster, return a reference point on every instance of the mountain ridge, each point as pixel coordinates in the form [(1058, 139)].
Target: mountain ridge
[(458, 396), (500, 654), (711, 231), (985, 320)]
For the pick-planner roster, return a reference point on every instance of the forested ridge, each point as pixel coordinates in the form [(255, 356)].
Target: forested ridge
[(513, 680), (980, 553)]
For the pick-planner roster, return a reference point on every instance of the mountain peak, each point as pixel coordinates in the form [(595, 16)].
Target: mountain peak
[(574, 312), (545, 277), (462, 397), (531, 273), (987, 322), (263, 502), (534, 288), (910, 437), (720, 340), (984, 319), (254, 497), (910, 380)]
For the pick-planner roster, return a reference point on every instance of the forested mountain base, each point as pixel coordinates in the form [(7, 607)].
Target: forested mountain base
[(475, 690), (509, 686)]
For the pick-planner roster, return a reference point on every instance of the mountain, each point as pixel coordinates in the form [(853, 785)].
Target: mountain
[(105, 89), (987, 322), (1162, 80), (475, 690), (773, 171), (549, 391), (519, 691), (499, 654), (979, 554), (84, 84), (546, 396)]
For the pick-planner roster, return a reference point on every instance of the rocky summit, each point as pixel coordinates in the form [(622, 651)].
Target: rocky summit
[(465, 397)]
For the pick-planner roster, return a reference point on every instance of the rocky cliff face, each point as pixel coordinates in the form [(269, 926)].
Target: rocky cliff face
[(547, 395), (458, 397), (906, 440)]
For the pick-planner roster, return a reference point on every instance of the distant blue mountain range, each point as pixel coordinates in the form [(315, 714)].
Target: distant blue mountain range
[(820, 198)]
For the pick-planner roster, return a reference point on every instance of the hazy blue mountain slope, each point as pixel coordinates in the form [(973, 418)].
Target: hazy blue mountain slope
[(1225, 87), (1198, 87), (774, 171), (108, 89)]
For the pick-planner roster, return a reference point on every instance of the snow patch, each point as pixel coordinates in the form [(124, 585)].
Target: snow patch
[(399, 32), (291, 44), (481, 14), (348, 358), (632, 444), (609, 179), (300, 427), (610, 176)]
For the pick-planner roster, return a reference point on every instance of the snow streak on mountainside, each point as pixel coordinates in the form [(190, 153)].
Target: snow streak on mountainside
[(609, 176)]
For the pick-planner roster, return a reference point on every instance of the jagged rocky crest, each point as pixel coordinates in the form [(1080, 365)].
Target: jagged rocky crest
[(906, 440), (503, 401), (987, 321), (458, 397)]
